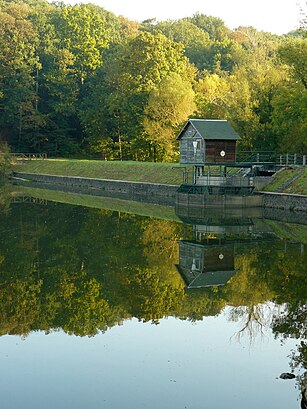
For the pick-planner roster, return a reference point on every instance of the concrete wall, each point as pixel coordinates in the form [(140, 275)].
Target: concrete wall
[(218, 201), (261, 181), (284, 201), (137, 191)]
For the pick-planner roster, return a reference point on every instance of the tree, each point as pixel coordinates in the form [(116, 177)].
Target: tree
[(18, 66), (131, 72), (82, 32), (197, 43), (289, 117), (214, 26), (211, 96), (294, 53), (169, 106), (289, 102)]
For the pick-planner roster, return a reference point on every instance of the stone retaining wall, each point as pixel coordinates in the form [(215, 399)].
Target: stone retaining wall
[(284, 201), (137, 191)]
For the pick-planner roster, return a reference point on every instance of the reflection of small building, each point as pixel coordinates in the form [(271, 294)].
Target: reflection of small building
[(205, 265)]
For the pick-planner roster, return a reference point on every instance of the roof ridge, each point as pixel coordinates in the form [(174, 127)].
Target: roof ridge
[(208, 120)]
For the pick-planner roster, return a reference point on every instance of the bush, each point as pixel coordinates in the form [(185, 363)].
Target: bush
[(6, 162)]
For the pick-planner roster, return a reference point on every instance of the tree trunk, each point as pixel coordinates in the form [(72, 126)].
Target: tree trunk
[(120, 146), (20, 127)]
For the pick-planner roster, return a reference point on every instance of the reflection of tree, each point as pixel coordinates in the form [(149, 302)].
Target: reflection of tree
[(84, 270), (5, 197), (198, 304), (20, 306), (151, 298), (83, 310), (293, 324), (291, 290), (254, 319), (90, 269), (268, 272)]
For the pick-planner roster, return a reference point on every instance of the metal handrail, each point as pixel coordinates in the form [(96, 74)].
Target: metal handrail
[(26, 156), (234, 180)]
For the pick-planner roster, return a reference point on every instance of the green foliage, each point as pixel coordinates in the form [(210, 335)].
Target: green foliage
[(197, 43), (79, 80), (6, 161), (169, 105), (83, 33), (121, 92), (18, 61), (293, 53), (288, 117), (214, 26), (85, 270)]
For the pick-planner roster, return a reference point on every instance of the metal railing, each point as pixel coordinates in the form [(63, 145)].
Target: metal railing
[(209, 179), (29, 199), (284, 159), (27, 156)]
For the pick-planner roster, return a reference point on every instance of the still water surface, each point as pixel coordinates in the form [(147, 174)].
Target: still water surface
[(104, 309)]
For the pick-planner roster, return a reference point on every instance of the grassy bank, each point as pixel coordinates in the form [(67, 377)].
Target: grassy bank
[(116, 170), (297, 178), (166, 173)]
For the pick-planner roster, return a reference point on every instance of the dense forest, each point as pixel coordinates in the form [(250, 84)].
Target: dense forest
[(80, 81)]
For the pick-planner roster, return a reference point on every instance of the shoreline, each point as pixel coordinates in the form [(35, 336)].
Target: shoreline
[(143, 191)]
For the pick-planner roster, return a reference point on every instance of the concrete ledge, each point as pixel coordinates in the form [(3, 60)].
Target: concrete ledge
[(137, 191)]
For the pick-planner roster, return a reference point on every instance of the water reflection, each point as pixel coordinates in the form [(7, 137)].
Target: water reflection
[(206, 264), (86, 270)]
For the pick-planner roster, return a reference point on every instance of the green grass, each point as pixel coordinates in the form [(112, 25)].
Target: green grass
[(292, 232), (165, 173), (298, 186), (116, 170)]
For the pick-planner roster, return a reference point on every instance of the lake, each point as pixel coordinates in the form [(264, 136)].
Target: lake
[(108, 308)]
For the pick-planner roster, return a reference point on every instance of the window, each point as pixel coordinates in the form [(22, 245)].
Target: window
[(197, 145)]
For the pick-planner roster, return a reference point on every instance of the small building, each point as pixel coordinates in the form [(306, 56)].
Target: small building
[(210, 177), (207, 141)]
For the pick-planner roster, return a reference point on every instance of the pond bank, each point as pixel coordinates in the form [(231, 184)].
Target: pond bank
[(138, 191), (144, 191)]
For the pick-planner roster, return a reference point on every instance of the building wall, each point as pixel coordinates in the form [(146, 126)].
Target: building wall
[(193, 149), (189, 153), (215, 147)]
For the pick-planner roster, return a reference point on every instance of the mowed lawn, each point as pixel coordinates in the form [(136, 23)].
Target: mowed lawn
[(166, 173), (297, 186)]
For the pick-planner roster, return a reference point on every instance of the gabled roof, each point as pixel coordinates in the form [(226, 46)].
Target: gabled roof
[(213, 129), (205, 279), (212, 278)]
